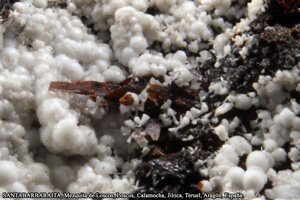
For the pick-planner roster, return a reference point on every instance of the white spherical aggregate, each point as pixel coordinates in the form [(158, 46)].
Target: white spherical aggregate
[(138, 44), (66, 134), (9, 173), (279, 155), (40, 3), (227, 156), (254, 178), (235, 175), (17, 187), (258, 159), (287, 117), (240, 144)]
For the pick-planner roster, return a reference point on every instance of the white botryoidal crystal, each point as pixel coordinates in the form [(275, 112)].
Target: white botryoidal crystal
[(9, 173), (287, 117), (129, 39), (254, 179), (294, 154), (40, 3), (259, 159), (61, 132), (286, 185), (138, 44), (66, 134), (279, 155), (240, 145), (227, 156), (17, 187), (270, 145), (113, 74), (235, 177), (69, 67)]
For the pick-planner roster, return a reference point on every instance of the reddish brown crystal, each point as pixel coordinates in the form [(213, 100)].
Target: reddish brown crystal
[(112, 94), (127, 99)]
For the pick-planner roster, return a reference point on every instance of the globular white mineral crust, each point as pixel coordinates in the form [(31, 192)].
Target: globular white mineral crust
[(56, 141)]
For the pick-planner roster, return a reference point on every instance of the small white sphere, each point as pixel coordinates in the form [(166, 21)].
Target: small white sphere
[(8, 172), (73, 71), (271, 174), (105, 168), (255, 179), (235, 175), (71, 7), (9, 57), (44, 58), (66, 134), (128, 54), (17, 187), (39, 172), (295, 135), (87, 179), (69, 67), (138, 44), (27, 59), (40, 3), (41, 69), (287, 117), (76, 33), (270, 145), (86, 169), (114, 75), (19, 7), (107, 140), (279, 155), (101, 65), (38, 44), (240, 145), (158, 70), (258, 159), (243, 102), (296, 123), (227, 156), (142, 70), (294, 154)]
